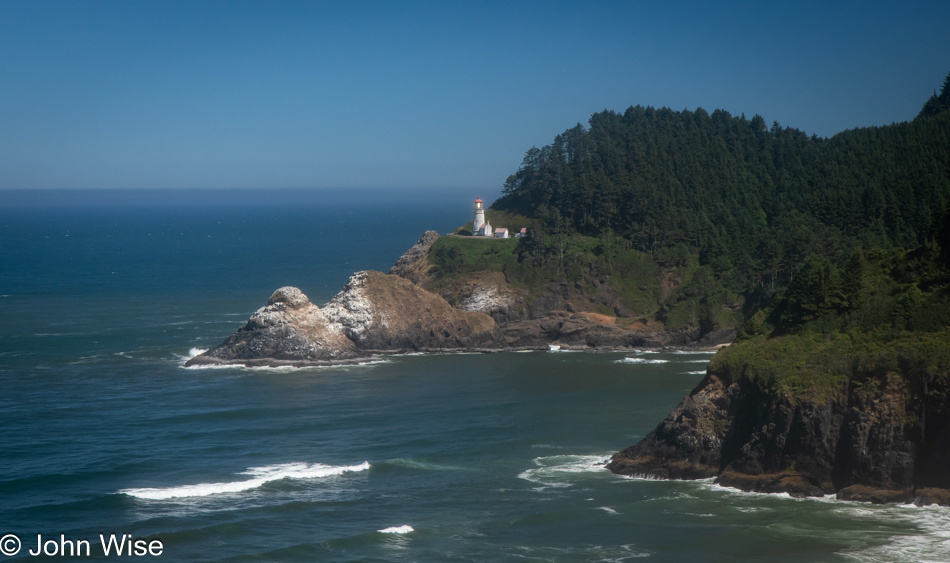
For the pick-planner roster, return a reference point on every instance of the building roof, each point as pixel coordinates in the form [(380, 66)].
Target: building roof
[(479, 200), (501, 230)]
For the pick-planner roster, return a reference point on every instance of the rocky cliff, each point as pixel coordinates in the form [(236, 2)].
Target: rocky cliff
[(383, 312), (405, 265), (567, 314), (862, 438)]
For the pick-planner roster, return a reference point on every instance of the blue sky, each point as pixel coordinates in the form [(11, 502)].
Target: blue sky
[(447, 95)]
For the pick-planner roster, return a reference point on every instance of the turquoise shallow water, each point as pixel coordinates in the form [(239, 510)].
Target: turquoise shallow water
[(485, 457)]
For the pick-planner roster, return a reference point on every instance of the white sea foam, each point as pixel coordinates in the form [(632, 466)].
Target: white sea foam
[(710, 352), (278, 369), (706, 361), (195, 352), (711, 485), (561, 470), (700, 372), (404, 529), (608, 510), (260, 476), (646, 351), (629, 360), (930, 541), (641, 477)]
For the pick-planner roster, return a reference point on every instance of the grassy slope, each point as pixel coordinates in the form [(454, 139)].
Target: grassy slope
[(677, 294)]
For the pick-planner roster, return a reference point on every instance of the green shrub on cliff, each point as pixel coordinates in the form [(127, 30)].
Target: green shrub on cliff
[(887, 313), (817, 366)]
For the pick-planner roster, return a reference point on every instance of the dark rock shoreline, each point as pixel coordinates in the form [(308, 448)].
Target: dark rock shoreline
[(856, 444)]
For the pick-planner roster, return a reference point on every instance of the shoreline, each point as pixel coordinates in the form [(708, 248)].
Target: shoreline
[(379, 356)]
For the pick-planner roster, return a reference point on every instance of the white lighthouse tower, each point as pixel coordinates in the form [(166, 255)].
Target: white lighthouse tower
[(480, 227)]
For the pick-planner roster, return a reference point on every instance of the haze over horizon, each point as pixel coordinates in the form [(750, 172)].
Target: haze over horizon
[(214, 94)]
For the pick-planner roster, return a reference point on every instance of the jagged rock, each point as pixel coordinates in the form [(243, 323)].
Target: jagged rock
[(854, 440), (289, 330), (404, 265), (387, 313), (791, 482), (928, 495), (688, 443), (375, 312), (863, 493)]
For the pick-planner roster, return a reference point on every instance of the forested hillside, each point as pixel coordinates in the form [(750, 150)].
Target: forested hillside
[(839, 378), (730, 206)]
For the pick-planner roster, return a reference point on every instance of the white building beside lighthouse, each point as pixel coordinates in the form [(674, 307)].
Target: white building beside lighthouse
[(480, 226)]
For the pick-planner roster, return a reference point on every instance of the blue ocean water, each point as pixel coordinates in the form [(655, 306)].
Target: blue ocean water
[(468, 457)]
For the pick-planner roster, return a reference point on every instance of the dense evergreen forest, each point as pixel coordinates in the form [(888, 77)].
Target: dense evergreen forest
[(733, 207)]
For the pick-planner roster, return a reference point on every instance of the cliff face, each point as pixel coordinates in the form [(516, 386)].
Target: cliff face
[(560, 313), (375, 312), (387, 313), (858, 441)]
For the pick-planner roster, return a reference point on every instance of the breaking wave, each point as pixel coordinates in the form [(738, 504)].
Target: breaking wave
[(561, 470), (183, 359), (260, 476), (629, 360), (404, 529)]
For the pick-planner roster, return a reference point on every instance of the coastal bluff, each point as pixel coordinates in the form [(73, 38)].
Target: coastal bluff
[(859, 440), (399, 312)]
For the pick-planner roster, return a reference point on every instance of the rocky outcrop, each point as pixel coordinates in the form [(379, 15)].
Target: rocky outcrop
[(571, 330), (561, 313), (392, 313), (289, 330), (489, 293), (688, 443), (857, 441), (383, 312), (375, 312), (407, 266), (595, 331)]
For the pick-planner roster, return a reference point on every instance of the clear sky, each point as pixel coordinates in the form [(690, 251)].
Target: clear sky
[(447, 94)]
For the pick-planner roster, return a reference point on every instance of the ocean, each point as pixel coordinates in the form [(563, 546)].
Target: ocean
[(459, 457)]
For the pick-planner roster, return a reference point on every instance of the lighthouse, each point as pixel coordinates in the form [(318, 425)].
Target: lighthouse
[(480, 226)]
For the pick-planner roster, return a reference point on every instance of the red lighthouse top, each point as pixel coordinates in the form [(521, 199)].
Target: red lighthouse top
[(479, 200)]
